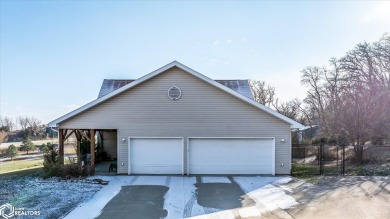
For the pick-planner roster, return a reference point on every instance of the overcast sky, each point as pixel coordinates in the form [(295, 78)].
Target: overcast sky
[(54, 55)]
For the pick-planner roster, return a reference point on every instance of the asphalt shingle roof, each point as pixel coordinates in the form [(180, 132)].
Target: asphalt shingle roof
[(240, 86)]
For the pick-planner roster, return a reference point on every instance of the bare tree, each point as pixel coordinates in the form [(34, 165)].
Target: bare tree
[(23, 122), (5, 127), (313, 77), (351, 96), (265, 94), (262, 92), (8, 122), (289, 109), (33, 123)]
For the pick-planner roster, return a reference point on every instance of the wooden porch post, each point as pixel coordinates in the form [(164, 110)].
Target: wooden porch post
[(61, 145), (92, 137), (78, 141)]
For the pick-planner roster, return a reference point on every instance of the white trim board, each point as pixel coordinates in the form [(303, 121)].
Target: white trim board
[(293, 124)]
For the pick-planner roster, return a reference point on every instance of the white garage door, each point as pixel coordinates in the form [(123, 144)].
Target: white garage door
[(155, 155), (231, 156)]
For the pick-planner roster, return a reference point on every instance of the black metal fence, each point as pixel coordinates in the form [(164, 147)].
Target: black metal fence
[(325, 159)]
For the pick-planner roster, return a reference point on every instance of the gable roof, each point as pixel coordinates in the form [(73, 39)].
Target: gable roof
[(240, 86), (177, 64), (109, 85)]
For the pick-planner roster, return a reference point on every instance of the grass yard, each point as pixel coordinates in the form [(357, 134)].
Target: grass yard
[(311, 173), (24, 172), (53, 197), (307, 172), (36, 143), (299, 169), (18, 165)]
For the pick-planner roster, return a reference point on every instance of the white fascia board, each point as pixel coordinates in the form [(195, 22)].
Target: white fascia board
[(293, 124)]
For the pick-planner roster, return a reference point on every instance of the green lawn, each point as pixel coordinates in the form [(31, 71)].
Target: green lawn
[(307, 172), (18, 165), (299, 169), (4, 146), (311, 173), (24, 172)]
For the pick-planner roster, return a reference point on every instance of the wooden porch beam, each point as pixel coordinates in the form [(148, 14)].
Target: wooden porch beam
[(68, 135), (78, 135), (64, 133), (85, 135)]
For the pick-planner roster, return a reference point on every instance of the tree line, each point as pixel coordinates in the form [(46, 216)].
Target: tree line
[(22, 128), (348, 97)]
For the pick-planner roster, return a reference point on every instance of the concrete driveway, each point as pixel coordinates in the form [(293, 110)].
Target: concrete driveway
[(153, 197), (343, 197)]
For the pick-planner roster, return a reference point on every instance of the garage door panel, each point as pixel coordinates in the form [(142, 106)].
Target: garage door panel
[(231, 156), (156, 155)]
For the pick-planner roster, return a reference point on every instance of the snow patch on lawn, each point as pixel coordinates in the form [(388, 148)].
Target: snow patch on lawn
[(53, 197)]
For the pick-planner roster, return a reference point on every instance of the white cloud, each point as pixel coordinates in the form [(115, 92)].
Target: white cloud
[(216, 42), (244, 40), (228, 41), (380, 12)]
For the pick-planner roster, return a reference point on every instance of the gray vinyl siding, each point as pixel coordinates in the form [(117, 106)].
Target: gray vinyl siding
[(202, 111)]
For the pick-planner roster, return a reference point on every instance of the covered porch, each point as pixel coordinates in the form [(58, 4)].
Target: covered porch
[(96, 150)]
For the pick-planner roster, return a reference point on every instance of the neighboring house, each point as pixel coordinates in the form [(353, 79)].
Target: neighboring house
[(307, 133), (175, 120)]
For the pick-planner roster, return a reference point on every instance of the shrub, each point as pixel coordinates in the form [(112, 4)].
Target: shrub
[(51, 163), (44, 148), (330, 153), (377, 140), (27, 145), (53, 167), (12, 152)]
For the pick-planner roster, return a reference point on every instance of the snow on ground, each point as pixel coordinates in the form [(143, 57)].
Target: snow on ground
[(181, 200), (179, 197), (53, 197), (269, 196), (92, 207), (150, 180), (215, 179), (260, 189)]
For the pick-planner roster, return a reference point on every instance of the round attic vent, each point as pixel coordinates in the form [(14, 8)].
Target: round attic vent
[(174, 93)]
